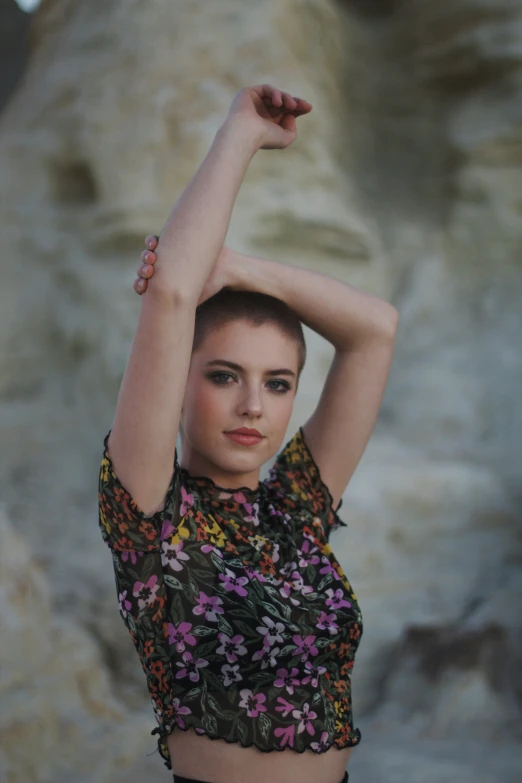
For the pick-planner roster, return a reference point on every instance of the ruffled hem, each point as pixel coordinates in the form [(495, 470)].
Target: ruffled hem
[(163, 749)]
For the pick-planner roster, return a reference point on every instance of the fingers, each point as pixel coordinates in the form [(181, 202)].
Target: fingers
[(151, 242), (302, 107), (148, 257), (282, 100), (140, 286), (288, 123), (289, 101), (146, 268), (288, 104)]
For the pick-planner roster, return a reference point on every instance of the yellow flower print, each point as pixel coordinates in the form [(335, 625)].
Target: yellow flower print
[(103, 520), (183, 529), (215, 533), (296, 487), (344, 580), (104, 470), (257, 541), (293, 452)]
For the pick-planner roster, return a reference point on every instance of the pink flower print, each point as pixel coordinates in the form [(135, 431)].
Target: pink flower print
[(187, 501), (313, 674), (305, 717), (167, 529), (252, 513), (209, 606), (285, 518), (239, 497), (253, 574), (230, 674), (145, 592), (306, 555), (206, 548), (287, 680), (132, 555), (190, 666), (327, 622), (179, 711), (271, 631), (274, 512), (305, 646), (233, 582), (231, 647), (253, 703), (287, 734), (173, 556), (179, 635), (267, 656), (328, 568), (124, 604), (285, 707), (288, 568), (300, 585), (323, 745), (286, 590), (336, 599)]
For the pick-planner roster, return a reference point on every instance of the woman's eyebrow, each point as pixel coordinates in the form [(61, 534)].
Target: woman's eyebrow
[(233, 366)]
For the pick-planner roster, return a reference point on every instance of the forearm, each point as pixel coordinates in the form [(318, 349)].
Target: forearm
[(345, 316), (197, 226)]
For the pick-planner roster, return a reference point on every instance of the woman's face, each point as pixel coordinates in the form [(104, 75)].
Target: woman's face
[(219, 398)]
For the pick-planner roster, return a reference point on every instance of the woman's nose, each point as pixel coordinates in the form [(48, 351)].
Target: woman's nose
[(251, 403)]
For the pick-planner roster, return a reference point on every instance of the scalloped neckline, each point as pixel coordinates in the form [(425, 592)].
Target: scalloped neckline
[(247, 491)]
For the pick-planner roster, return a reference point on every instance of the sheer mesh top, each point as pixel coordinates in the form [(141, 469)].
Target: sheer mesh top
[(243, 620)]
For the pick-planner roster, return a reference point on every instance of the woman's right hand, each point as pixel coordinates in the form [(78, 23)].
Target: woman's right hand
[(269, 113), (218, 278)]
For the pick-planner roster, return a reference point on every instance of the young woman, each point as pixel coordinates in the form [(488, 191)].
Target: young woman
[(243, 620)]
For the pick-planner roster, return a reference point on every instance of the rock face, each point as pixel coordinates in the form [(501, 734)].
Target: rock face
[(405, 181), (57, 716)]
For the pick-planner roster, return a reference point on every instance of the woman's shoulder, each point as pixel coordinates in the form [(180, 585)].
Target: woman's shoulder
[(295, 481)]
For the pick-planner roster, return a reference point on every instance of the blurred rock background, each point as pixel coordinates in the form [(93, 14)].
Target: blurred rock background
[(406, 181)]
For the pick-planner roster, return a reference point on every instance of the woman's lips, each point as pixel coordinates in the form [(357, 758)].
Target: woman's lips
[(244, 440)]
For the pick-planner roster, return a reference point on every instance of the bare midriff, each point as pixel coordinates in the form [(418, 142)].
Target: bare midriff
[(218, 761)]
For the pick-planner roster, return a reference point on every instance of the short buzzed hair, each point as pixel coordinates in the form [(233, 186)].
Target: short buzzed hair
[(257, 308)]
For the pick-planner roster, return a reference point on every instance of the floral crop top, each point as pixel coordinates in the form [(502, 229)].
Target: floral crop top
[(244, 622)]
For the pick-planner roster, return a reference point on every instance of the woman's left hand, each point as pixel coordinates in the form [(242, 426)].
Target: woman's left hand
[(218, 279)]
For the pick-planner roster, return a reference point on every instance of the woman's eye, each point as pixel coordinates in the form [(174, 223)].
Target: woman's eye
[(222, 378), (285, 386)]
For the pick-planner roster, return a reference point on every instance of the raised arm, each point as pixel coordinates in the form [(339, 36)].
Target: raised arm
[(360, 326), (143, 436), (362, 329)]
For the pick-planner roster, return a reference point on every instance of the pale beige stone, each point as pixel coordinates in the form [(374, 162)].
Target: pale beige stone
[(405, 181)]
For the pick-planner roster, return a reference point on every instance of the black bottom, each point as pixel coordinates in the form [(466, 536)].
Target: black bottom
[(180, 779)]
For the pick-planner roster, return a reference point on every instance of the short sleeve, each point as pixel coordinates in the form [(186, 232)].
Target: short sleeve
[(298, 476), (124, 526)]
